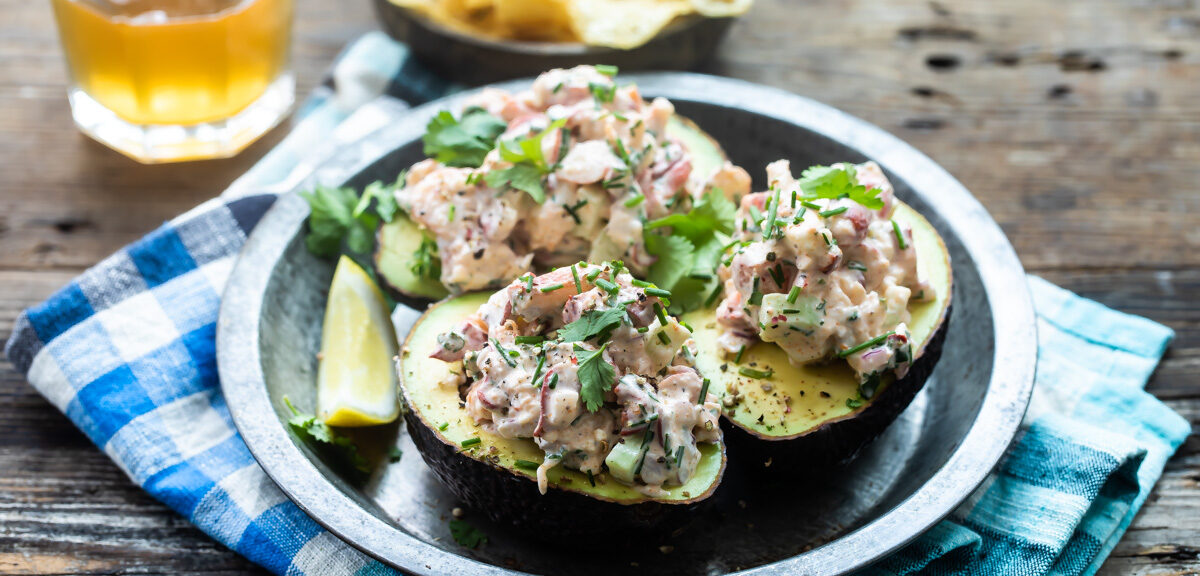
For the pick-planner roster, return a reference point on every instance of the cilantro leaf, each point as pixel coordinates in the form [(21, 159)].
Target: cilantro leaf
[(713, 213), (331, 220), (462, 142), (690, 292), (595, 376), (676, 258), (466, 534), (337, 449), (591, 324), (524, 177), (838, 181)]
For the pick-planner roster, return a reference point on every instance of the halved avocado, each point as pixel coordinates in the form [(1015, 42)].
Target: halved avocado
[(495, 476), (399, 241), (812, 414)]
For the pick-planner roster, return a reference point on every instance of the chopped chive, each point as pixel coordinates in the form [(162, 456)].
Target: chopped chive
[(658, 311), (752, 373), (777, 275), (755, 215), (811, 205), (662, 337), (646, 420), (755, 295), (527, 464), (530, 339), (591, 480), (470, 442), (642, 283), (795, 293), (645, 449), (686, 325), (578, 284), (703, 391), (632, 202), (643, 329), (899, 236), (553, 380), (550, 288), (769, 227), (855, 265), (450, 217), (538, 371), (678, 455), (658, 292), (712, 298), (528, 282), (793, 199), (738, 359), (800, 215), (503, 353), (863, 346), (833, 212), (699, 275), (608, 286), (591, 276), (444, 426), (607, 70), (853, 403)]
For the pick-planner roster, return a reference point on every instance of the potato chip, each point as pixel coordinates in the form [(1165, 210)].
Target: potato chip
[(623, 23), (535, 19), (721, 8)]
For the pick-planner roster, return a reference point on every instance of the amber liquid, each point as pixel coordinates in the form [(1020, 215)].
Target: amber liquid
[(175, 61)]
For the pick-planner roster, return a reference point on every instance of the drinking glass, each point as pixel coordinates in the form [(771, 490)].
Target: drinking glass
[(172, 80)]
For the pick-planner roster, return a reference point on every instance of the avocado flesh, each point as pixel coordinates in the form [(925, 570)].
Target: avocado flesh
[(819, 392), (399, 240), (431, 405)]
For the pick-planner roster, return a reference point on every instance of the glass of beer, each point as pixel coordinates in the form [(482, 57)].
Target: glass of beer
[(172, 80)]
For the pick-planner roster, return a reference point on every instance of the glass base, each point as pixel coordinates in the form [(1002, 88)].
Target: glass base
[(155, 143)]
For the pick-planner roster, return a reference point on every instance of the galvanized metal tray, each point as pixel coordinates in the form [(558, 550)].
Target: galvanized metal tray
[(838, 520)]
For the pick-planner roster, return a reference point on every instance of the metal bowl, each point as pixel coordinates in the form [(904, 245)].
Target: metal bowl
[(683, 45), (925, 464)]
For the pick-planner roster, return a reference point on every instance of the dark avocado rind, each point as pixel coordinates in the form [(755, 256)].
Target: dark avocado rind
[(486, 476), (812, 415), (398, 241)]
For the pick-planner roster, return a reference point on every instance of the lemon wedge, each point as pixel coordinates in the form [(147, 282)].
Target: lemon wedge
[(356, 380)]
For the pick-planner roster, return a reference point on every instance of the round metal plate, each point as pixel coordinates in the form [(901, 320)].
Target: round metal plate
[(926, 464)]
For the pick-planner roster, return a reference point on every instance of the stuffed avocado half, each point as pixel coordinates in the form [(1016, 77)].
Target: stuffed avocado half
[(563, 172), (832, 316), (567, 393)]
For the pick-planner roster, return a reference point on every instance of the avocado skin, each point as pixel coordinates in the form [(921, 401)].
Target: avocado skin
[(556, 516), (837, 442)]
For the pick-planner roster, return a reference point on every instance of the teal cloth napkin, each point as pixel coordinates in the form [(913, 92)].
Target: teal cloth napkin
[(1091, 448)]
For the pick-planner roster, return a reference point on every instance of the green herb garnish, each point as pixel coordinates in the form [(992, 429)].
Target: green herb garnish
[(752, 373), (899, 236), (592, 324), (466, 534), (336, 448), (863, 346), (462, 142), (470, 442), (595, 376)]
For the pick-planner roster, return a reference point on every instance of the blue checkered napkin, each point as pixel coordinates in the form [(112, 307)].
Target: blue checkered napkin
[(127, 351), (1092, 446)]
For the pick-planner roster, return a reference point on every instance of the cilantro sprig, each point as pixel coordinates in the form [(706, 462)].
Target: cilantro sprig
[(592, 324), (528, 164), (687, 257), (334, 447), (838, 181), (596, 376), (466, 534), (465, 141), (340, 216)]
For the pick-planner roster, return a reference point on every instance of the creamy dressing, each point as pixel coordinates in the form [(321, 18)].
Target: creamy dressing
[(519, 387), (618, 169), (833, 279)]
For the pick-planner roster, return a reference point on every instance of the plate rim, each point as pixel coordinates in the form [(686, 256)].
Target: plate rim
[(1000, 414)]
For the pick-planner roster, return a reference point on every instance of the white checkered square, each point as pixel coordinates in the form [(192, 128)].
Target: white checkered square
[(137, 326)]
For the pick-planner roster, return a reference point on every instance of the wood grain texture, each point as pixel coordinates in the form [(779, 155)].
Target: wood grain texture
[(1077, 123)]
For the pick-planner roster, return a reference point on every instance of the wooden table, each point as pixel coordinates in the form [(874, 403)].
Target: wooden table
[(1077, 123)]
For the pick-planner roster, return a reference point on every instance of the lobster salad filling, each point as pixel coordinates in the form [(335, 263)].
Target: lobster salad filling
[(570, 169), (585, 362), (821, 269)]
